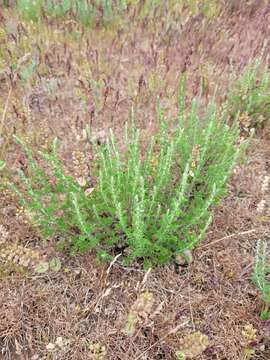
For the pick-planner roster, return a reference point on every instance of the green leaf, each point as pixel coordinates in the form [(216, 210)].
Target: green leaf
[(180, 355), (55, 264), (42, 267), (2, 165), (265, 314)]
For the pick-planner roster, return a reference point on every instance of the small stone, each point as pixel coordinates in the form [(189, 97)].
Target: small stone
[(50, 347), (59, 342), (35, 357)]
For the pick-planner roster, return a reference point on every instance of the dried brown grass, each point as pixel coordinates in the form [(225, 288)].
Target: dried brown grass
[(85, 303)]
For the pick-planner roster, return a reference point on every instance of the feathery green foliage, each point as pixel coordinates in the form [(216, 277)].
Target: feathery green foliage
[(148, 205), (249, 98), (259, 276)]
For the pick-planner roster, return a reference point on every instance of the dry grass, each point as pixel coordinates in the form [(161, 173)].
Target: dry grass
[(95, 81)]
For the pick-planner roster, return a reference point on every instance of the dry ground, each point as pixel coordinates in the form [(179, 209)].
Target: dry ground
[(93, 77)]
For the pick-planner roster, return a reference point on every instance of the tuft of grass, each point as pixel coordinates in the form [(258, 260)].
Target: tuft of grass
[(259, 277), (148, 205)]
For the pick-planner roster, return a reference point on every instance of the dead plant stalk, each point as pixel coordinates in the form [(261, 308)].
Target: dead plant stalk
[(5, 111)]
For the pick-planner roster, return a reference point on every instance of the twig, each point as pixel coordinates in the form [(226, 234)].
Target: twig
[(190, 309), (112, 263), (143, 283), (228, 237)]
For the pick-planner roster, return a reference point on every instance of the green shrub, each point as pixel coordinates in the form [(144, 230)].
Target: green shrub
[(150, 205), (249, 97), (259, 277), (84, 11), (90, 12)]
